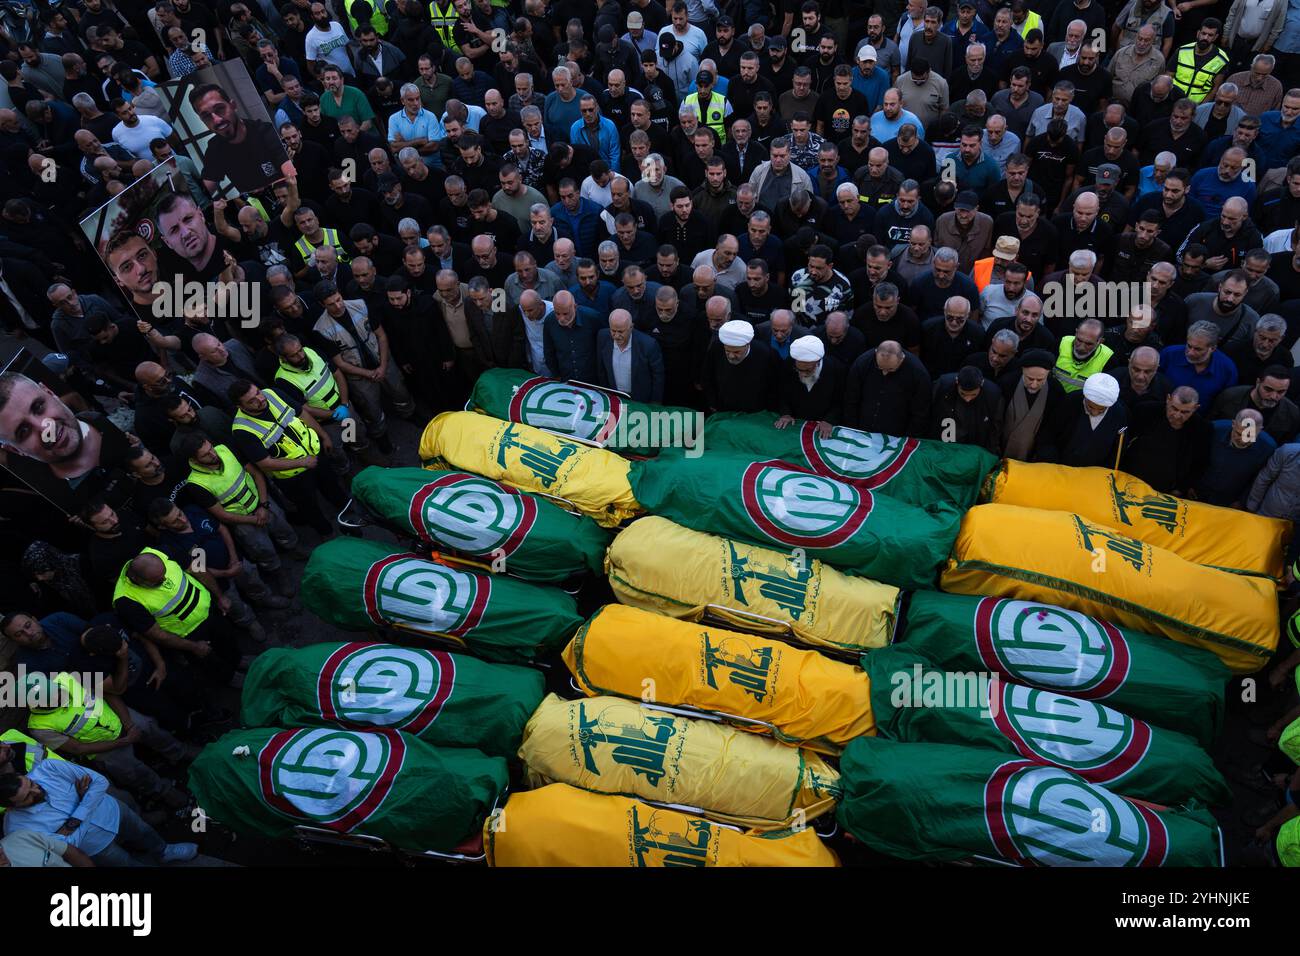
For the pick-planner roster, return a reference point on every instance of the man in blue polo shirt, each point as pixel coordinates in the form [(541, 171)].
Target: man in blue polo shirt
[(1199, 364), (1239, 450)]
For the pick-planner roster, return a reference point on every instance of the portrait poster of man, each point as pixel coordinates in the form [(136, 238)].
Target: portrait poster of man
[(224, 127), (153, 239), (64, 456)]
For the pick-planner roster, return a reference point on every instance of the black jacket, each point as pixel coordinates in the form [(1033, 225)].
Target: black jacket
[(895, 404)]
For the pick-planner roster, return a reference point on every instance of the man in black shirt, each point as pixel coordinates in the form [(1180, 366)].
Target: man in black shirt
[(247, 151), (1168, 446)]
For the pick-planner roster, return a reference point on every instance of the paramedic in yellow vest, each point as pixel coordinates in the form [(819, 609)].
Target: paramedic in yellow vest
[(443, 16), (325, 392), (1023, 19), (1198, 68), (711, 107), (1081, 355), (235, 494), (272, 432), (362, 355), (311, 235), (69, 718), (367, 11), (182, 613)]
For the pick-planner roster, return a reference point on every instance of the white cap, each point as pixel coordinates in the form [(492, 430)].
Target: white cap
[(1101, 389), (807, 348), (867, 52), (736, 332)]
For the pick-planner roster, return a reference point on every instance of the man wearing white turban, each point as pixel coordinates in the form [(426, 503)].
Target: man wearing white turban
[(811, 386), (1094, 418), (739, 372)]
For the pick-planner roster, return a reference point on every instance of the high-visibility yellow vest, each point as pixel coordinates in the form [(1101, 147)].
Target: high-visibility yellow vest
[(283, 432), (230, 484), (179, 605), (1032, 22), (444, 19), (1288, 843), (715, 117), (306, 247), (1197, 81), (377, 18), (84, 717), (28, 753), (316, 381), (1071, 373)]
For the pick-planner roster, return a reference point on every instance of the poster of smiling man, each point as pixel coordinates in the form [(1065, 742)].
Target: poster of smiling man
[(224, 127)]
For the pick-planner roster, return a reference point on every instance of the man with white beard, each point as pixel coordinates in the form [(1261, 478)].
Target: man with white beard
[(811, 386)]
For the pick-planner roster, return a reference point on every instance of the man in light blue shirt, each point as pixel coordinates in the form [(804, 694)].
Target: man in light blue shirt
[(999, 143), (869, 79), (1151, 179), (415, 126), (885, 123), (1060, 106), (596, 132), (61, 798), (534, 310)]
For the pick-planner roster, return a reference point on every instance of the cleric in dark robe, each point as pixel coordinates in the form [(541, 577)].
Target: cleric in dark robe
[(1035, 406), (1090, 431), (249, 151), (811, 386), (739, 374)]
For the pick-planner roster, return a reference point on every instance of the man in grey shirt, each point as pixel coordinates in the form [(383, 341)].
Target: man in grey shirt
[(1226, 308)]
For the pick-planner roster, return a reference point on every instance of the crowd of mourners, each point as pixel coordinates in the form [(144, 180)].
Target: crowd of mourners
[(1062, 230)]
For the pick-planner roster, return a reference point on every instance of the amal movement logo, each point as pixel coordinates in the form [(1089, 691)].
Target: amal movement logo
[(800, 508), (472, 515), (412, 590), (384, 685), (585, 413), (1047, 646), (1045, 816), (330, 777), (1090, 739), (867, 459)]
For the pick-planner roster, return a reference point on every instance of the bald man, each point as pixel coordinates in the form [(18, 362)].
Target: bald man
[(221, 364), (154, 387), (629, 361), (569, 339), (195, 627)]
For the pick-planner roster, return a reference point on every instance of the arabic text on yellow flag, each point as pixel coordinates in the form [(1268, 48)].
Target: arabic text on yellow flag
[(1059, 558), (592, 480), (661, 566), (1223, 538), (560, 825), (801, 696), (612, 745)]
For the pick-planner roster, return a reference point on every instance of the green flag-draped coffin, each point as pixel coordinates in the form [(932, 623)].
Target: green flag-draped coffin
[(358, 584)]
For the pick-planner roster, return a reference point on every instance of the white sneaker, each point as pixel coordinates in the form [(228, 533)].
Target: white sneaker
[(180, 852)]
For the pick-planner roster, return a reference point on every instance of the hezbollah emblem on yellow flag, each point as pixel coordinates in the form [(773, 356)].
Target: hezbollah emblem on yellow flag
[(591, 480), (661, 566), (560, 825), (1223, 538), (612, 745), (763, 685)]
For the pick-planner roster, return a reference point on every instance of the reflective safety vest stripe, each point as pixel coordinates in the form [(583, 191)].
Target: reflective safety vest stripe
[(316, 381), (83, 717), (376, 18), (1071, 373), (284, 432), (716, 117), (1197, 81), (444, 21), (27, 752), (179, 605), (330, 237), (230, 484), (1032, 22)]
